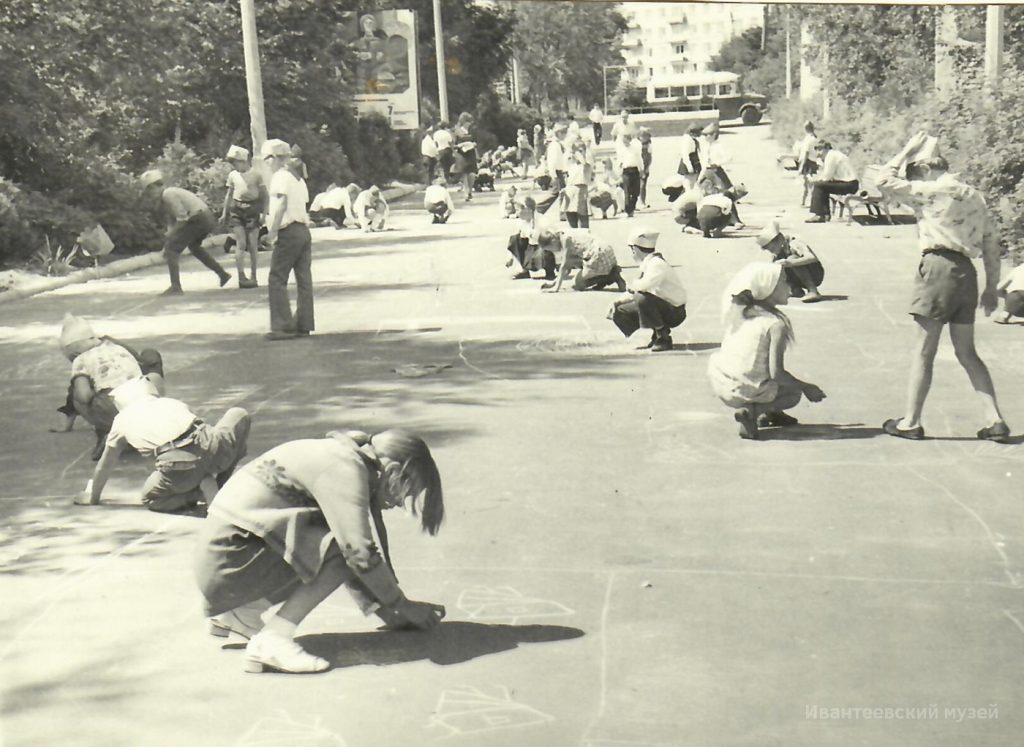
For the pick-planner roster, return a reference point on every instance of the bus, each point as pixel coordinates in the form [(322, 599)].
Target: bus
[(709, 90)]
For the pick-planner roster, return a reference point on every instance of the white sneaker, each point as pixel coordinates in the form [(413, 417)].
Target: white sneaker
[(245, 621), (268, 651)]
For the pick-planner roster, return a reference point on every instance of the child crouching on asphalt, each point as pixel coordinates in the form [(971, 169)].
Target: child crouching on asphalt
[(748, 372), (509, 203), (656, 300), (438, 201), (803, 269), (1012, 291)]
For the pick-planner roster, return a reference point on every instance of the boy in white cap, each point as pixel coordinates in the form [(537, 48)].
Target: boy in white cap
[(288, 233), (187, 451), (656, 300), (371, 209), (188, 221), (1012, 291), (438, 202), (99, 365), (245, 204), (801, 265)]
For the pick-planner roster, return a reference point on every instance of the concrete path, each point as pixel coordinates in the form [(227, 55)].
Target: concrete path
[(619, 568)]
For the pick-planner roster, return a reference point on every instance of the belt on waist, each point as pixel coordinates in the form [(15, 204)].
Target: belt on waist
[(937, 249), (187, 438), (293, 223)]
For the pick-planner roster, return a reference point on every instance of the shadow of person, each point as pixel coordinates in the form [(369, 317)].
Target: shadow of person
[(818, 432), (451, 642)]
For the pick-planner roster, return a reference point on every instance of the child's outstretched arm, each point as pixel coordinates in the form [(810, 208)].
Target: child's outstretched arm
[(777, 368)]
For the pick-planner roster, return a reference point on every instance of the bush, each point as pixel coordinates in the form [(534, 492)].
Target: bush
[(977, 131)]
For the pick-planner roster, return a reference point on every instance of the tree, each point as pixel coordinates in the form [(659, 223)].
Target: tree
[(562, 48)]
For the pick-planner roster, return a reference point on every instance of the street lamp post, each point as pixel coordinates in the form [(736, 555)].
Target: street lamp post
[(442, 80)]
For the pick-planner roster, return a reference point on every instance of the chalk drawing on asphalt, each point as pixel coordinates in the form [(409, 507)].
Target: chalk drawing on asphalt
[(283, 730), (470, 710), (506, 604)]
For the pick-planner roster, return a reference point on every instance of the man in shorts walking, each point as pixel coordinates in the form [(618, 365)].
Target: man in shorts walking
[(953, 227)]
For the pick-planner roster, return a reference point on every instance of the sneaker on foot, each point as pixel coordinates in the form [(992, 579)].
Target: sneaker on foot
[(268, 651)]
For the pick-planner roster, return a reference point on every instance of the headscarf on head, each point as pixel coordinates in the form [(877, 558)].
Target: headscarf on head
[(75, 330), (759, 278)]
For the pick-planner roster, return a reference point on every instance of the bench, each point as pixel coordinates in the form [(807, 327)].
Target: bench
[(868, 195)]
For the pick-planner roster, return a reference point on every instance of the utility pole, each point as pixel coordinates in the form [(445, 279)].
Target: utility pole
[(442, 80), (789, 56), (253, 78), (993, 45)]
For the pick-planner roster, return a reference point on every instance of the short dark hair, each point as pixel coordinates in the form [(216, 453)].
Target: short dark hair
[(823, 145), (915, 169)]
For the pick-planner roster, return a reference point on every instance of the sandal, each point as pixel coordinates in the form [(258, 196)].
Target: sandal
[(997, 432), (892, 427), (776, 420), (748, 425)]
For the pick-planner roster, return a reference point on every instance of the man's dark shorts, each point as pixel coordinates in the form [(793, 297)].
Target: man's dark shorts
[(945, 288)]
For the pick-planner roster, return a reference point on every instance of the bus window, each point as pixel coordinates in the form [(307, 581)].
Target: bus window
[(725, 89), (693, 91), (709, 89), (661, 93)]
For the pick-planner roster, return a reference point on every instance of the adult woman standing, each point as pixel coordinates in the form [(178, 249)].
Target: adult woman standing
[(294, 525), (465, 153)]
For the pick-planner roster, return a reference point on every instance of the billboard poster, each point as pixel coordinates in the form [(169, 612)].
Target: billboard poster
[(386, 80)]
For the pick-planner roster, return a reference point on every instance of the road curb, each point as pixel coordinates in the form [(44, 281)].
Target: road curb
[(131, 264)]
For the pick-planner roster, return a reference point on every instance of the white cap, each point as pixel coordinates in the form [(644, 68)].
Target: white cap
[(275, 147), (644, 238), (75, 330), (768, 234), (151, 177), (237, 153)]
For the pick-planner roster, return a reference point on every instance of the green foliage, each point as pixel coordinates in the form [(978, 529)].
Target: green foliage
[(562, 48), (977, 129)]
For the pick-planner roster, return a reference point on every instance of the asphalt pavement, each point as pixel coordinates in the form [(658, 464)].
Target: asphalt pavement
[(619, 568)]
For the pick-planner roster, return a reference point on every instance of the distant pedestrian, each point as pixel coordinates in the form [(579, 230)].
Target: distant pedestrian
[(578, 249), (288, 234), (804, 271), (596, 117), (294, 525), (748, 372), (629, 154), (836, 176), (245, 204), (438, 202), (428, 150), (188, 221), (524, 151), (689, 161), (191, 459), (555, 158), (465, 153), (953, 227), (656, 300), (371, 209), (623, 126), (714, 157), (443, 140), (578, 177), (538, 146), (644, 136)]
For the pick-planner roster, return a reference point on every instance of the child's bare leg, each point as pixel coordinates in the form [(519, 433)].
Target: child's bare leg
[(773, 413), (241, 241), (922, 362), (962, 337), (253, 245)]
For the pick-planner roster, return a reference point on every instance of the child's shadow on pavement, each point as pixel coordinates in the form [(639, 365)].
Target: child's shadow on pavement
[(818, 432), (451, 642)]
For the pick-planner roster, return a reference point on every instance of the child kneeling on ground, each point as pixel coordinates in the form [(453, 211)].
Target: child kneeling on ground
[(438, 202), (656, 300), (748, 372), (577, 248), (803, 269), (1012, 291)]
